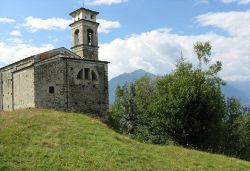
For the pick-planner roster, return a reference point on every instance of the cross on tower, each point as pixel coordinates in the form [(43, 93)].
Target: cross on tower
[(83, 3)]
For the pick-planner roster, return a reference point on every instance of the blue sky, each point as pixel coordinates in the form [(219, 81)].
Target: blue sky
[(134, 34)]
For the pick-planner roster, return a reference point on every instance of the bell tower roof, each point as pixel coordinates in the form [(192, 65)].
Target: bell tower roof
[(84, 14), (83, 10)]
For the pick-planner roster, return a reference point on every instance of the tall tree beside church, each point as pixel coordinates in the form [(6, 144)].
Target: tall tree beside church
[(190, 106), (203, 52)]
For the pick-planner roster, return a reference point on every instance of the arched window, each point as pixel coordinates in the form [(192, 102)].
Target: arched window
[(90, 36), (94, 76), (80, 75), (87, 73), (77, 37)]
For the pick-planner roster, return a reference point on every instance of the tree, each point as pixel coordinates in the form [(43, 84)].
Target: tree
[(130, 108), (185, 106), (123, 111), (236, 130), (191, 107), (117, 109), (203, 52)]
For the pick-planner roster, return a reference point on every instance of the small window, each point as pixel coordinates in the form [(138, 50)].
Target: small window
[(51, 90), (94, 76), (92, 17), (87, 73), (80, 75)]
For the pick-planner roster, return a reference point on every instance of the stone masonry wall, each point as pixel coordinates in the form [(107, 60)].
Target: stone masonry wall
[(88, 87), (88, 52), (50, 84), (74, 89), (23, 88), (6, 87)]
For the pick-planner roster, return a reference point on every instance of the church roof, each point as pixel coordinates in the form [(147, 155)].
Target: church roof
[(65, 53)]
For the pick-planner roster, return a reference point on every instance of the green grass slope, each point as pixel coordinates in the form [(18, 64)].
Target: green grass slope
[(38, 139)]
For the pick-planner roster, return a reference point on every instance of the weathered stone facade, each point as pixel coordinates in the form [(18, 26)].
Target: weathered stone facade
[(60, 79)]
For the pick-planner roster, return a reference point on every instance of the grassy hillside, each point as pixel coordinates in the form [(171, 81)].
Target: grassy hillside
[(49, 140)]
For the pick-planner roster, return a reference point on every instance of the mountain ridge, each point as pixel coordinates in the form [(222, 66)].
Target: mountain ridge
[(124, 78)]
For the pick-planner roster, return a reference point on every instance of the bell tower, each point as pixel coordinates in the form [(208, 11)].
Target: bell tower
[(84, 33)]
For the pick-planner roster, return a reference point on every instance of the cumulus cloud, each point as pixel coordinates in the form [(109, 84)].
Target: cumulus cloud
[(104, 2), (12, 52), (16, 33), (7, 20), (35, 24), (236, 23), (157, 51), (106, 26), (240, 2)]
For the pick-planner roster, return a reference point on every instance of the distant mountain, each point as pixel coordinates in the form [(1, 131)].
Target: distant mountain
[(238, 89), (122, 79)]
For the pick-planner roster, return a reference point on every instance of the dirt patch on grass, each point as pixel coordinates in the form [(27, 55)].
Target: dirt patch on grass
[(7, 117), (48, 144)]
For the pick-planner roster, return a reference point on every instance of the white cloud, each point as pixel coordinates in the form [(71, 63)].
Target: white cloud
[(157, 51), (106, 26), (35, 24), (12, 52), (236, 23), (16, 40), (7, 20), (16, 33), (104, 2), (240, 2)]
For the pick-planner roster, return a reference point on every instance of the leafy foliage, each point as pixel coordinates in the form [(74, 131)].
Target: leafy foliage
[(191, 106), (237, 130), (185, 107), (203, 52)]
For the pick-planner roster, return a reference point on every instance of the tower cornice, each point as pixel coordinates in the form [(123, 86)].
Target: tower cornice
[(83, 9), (81, 20)]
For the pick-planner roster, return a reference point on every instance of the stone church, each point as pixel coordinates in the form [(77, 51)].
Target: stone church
[(69, 80)]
